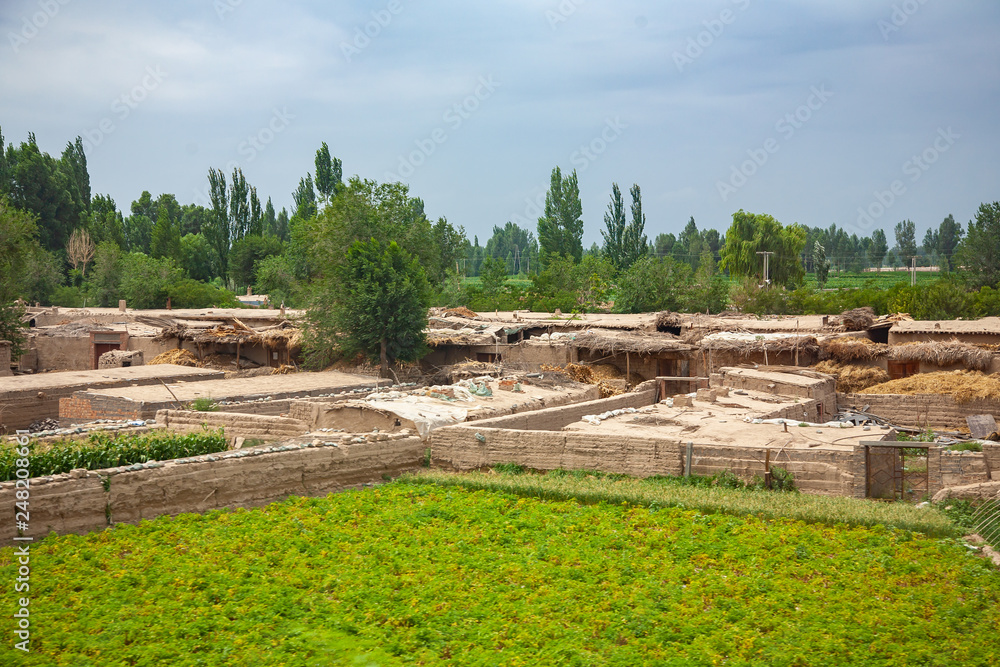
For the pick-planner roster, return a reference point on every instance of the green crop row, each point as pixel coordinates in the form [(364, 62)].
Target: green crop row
[(591, 487), (426, 574), (106, 450)]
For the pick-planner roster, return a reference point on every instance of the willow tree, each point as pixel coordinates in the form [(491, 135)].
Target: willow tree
[(751, 236)]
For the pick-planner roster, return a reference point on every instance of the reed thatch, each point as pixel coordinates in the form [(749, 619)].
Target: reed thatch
[(858, 319), (747, 346), (851, 348), (852, 378), (943, 354), (633, 341), (225, 334), (285, 335)]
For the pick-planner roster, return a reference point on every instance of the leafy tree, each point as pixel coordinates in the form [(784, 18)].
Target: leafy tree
[(106, 276), (906, 239), (450, 243), (949, 237), (269, 221), (18, 249), (305, 199), (166, 237), (614, 229), (512, 240), (652, 284), (218, 231), (689, 245), (560, 229), (106, 221), (493, 274), (821, 264), (281, 226), (196, 257), (979, 253), (752, 233), (138, 233), (276, 279), (329, 174), (663, 244), (194, 218), (42, 185), (145, 281), (245, 254), (634, 243), (879, 248), (188, 293), (376, 305)]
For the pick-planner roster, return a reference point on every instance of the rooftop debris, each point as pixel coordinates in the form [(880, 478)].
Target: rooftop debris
[(633, 341), (176, 357), (858, 319), (748, 343), (943, 354), (853, 348)]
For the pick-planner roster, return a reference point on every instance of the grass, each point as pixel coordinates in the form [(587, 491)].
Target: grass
[(593, 488), (433, 573)]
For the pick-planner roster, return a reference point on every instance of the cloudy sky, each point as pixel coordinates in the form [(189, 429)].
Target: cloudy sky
[(856, 112)]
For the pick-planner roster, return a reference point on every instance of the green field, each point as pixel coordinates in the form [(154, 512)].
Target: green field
[(426, 571), (883, 279)]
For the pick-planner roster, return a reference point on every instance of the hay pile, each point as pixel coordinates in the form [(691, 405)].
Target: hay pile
[(177, 357), (608, 378), (284, 369), (852, 378), (851, 348), (462, 311), (963, 386), (858, 319), (665, 321)]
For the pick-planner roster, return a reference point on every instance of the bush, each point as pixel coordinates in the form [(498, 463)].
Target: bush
[(188, 293)]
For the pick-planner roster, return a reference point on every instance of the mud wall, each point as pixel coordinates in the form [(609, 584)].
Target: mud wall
[(553, 419), (234, 425), (85, 501), (920, 410), (468, 447)]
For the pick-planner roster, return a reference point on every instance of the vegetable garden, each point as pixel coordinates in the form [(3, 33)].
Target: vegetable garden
[(423, 571)]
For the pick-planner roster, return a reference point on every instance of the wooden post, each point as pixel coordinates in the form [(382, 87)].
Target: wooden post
[(237, 355), (687, 459), (628, 368), (767, 467)]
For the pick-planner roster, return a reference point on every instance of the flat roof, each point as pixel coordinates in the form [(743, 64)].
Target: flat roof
[(69, 379)]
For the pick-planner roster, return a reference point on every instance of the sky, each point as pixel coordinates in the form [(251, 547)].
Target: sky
[(859, 113)]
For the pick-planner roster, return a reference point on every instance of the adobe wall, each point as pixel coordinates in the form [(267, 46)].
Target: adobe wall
[(961, 468), (5, 358), (821, 390), (470, 446), (920, 410), (553, 419), (28, 398), (62, 353), (78, 502), (234, 425)]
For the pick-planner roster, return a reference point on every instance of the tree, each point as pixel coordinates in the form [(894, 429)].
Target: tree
[(449, 243), (614, 228), (906, 239), (270, 222), (949, 237), (245, 254), (80, 250), (305, 199), (753, 233), (493, 274), (218, 232), (19, 248), (329, 172), (560, 229), (196, 257), (634, 243), (663, 244), (106, 276), (145, 282), (512, 240), (106, 221), (821, 264), (879, 248), (42, 185), (375, 305), (166, 237), (979, 253), (194, 219)]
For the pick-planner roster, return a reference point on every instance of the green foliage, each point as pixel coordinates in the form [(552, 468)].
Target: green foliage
[(509, 469), (166, 237), (104, 450), (376, 306), (752, 233), (436, 575), (781, 479), (493, 275), (979, 253), (203, 404), (246, 253), (560, 229), (970, 446), (329, 173), (662, 283), (187, 293), (196, 257), (145, 282), (276, 279), (516, 242), (18, 248)]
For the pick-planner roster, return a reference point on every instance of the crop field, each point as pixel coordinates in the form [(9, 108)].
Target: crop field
[(881, 279), (419, 572)]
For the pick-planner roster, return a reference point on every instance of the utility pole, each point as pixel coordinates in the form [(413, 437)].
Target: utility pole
[(913, 271), (767, 274)]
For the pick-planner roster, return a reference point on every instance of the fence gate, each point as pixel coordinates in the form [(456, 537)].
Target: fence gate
[(896, 470)]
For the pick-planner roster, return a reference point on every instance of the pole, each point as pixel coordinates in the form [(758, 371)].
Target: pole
[(913, 271), (767, 271)]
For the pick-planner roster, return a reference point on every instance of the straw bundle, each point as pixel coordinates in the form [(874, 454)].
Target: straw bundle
[(176, 357), (665, 320), (963, 386), (641, 343), (852, 378), (850, 348)]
